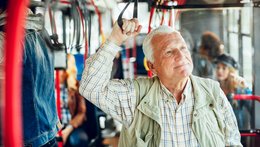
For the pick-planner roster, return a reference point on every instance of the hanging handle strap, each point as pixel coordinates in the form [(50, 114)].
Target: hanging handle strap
[(120, 19)]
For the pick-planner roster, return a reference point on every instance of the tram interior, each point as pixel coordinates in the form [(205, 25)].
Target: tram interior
[(82, 26)]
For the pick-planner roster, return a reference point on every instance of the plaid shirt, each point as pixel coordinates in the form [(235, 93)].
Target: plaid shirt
[(65, 113), (177, 118), (118, 98)]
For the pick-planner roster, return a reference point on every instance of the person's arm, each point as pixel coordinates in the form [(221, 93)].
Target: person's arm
[(79, 118), (75, 101), (115, 97), (232, 134)]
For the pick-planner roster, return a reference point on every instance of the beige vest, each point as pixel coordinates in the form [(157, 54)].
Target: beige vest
[(145, 130)]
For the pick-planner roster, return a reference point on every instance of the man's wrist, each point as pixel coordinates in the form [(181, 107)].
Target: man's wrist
[(114, 41), (112, 47)]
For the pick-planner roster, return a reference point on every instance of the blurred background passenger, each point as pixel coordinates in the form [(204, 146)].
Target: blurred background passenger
[(231, 83), (210, 48), (188, 39), (73, 107)]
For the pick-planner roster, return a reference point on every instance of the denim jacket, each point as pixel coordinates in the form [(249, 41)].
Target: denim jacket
[(40, 121)]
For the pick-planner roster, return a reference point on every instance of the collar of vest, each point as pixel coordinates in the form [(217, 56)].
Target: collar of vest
[(149, 104)]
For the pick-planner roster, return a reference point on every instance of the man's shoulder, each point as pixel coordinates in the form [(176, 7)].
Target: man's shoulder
[(144, 84), (203, 81), (145, 81)]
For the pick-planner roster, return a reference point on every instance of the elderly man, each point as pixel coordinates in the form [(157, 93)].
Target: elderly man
[(173, 108)]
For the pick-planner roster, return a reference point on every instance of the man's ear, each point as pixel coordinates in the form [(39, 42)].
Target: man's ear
[(151, 67)]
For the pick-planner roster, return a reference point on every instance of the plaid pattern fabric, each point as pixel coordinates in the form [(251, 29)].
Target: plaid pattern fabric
[(65, 113), (177, 119), (117, 98)]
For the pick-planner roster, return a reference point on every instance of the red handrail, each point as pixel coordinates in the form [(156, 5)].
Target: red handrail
[(58, 104), (13, 50), (65, 2), (99, 20), (246, 97), (249, 134)]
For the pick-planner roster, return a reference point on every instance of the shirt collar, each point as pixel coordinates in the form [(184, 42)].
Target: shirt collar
[(186, 93)]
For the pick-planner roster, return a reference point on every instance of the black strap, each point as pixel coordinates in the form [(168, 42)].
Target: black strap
[(2, 28), (55, 45), (120, 19)]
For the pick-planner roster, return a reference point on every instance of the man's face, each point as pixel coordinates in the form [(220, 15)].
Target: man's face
[(172, 58)]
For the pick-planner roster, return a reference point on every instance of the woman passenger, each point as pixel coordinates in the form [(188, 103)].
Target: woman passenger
[(231, 83)]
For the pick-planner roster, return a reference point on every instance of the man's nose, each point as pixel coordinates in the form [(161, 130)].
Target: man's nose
[(179, 55)]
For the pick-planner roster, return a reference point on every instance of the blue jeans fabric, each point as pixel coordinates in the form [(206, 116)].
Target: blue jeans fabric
[(77, 138), (39, 107)]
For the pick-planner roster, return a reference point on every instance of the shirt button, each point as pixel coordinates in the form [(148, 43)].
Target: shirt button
[(195, 114)]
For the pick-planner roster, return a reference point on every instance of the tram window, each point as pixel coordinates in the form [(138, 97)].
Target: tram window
[(246, 22), (240, 40), (233, 16), (232, 25), (233, 46), (247, 55), (246, 27)]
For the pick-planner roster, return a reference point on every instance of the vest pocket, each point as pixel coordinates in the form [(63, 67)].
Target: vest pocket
[(144, 142), (208, 128)]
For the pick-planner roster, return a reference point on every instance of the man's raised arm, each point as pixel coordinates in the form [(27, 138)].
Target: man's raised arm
[(115, 97)]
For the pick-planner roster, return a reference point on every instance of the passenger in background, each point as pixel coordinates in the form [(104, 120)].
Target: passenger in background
[(73, 107), (187, 38), (40, 119), (209, 49), (231, 83)]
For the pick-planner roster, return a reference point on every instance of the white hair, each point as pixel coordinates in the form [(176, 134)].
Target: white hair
[(147, 43)]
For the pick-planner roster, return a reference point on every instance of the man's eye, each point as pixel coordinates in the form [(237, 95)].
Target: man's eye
[(183, 48), (168, 53)]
